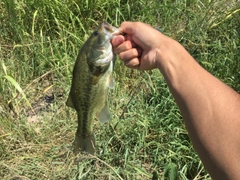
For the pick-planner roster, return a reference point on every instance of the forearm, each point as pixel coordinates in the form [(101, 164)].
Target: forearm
[(210, 110)]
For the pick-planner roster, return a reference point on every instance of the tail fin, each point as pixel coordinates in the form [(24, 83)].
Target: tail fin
[(84, 143)]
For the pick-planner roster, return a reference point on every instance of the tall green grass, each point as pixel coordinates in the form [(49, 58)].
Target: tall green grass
[(39, 41)]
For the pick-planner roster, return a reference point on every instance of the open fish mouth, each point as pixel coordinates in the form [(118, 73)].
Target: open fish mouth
[(116, 32), (111, 31), (109, 28)]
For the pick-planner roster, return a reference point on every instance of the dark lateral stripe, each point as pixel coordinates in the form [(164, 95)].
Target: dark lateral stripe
[(87, 94)]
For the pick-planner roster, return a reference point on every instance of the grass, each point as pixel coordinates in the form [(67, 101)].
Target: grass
[(39, 41)]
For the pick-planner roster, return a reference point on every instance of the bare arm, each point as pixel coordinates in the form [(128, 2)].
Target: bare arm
[(210, 109), (211, 112)]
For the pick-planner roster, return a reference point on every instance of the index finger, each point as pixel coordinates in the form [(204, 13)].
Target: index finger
[(117, 40)]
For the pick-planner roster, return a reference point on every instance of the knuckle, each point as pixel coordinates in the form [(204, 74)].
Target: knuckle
[(121, 56), (128, 45), (136, 52)]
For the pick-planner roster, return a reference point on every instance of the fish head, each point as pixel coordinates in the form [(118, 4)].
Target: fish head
[(100, 52)]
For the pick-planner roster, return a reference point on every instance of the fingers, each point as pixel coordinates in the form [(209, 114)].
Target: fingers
[(127, 49), (136, 47), (133, 63), (125, 46), (123, 43), (117, 40), (131, 57), (129, 54)]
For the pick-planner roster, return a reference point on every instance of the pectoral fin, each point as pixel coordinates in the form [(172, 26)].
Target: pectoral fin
[(104, 115), (95, 79), (97, 73), (111, 82)]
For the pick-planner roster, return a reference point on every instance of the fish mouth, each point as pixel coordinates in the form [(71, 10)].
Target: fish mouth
[(116, 32), (110, 30), (112, 35)]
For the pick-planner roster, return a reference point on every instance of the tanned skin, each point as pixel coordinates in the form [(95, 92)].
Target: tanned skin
[(210, 109)]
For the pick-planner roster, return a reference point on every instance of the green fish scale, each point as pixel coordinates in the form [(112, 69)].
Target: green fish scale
[(90, 83), (90, 99)]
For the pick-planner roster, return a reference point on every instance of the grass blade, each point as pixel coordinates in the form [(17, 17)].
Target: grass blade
[(18, 87)]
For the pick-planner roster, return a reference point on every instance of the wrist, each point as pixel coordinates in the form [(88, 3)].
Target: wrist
[(176, 64), (167, 53)]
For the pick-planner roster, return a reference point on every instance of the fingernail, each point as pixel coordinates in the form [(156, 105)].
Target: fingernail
[(120, 39), (116, 41)]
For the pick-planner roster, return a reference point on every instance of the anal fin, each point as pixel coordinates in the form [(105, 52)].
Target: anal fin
[(104, 115)]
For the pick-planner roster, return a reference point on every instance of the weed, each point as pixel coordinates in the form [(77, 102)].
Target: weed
[(39, 41)]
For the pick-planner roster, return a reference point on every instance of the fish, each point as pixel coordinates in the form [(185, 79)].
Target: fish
[(91, 80)]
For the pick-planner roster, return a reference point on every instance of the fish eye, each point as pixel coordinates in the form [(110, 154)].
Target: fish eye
[(95, 33)]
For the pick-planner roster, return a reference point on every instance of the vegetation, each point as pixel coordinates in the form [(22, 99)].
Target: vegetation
[(39, 41)]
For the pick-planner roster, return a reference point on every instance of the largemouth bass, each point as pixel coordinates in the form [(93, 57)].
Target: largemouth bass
[(92, 77)]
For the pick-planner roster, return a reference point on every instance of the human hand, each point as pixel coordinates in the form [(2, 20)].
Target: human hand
[(139, 46)]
